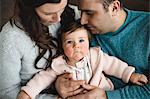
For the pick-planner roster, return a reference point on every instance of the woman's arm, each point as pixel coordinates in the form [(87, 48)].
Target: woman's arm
[(15, 69), (10, 66)]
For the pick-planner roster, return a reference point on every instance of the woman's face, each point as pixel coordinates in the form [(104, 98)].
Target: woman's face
[(49, 13)]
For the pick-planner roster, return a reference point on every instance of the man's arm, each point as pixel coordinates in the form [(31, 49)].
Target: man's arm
[(130, 92), (90, 92)]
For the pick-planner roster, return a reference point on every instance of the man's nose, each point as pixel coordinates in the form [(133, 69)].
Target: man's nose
[(83, 19)]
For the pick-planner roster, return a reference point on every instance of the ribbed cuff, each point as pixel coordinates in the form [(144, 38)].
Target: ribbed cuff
[(30, 92), (127, 74)]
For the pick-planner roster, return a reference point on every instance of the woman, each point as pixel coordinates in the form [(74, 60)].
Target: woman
[(28, 42)]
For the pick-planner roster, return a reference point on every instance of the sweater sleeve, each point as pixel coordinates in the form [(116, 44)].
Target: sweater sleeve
[(115, 67), (130, 92), (11, 78), (39, 82), (10, 66)]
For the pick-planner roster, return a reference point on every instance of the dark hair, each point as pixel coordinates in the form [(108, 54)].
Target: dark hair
[(69, 28), (25, 12), (106, 3)]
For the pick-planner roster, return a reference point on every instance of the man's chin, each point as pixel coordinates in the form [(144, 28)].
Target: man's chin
[(94, 31)]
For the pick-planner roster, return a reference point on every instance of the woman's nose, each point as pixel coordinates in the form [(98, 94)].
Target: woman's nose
[(56, 17)]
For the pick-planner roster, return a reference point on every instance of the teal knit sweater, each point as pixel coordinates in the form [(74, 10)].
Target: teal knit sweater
[(130, 43)]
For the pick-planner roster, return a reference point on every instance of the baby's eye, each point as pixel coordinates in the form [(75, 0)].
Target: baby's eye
[(81, 40), (69, 42)]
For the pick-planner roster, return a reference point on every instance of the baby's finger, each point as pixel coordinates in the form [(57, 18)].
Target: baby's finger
[(139, 83), (143, 79)]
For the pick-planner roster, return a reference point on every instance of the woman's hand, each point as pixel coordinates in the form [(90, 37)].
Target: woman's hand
[(91, 92), (23, 95), (66, 86)]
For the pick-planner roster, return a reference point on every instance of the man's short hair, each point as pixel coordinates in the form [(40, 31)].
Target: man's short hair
[(106, 3)]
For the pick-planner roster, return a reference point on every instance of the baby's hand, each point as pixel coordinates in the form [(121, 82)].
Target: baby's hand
[(23, 95), (138, 79)]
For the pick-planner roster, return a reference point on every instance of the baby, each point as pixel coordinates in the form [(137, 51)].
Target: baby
[(83, 62)]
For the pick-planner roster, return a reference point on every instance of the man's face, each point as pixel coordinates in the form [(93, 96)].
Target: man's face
[(95, 17)]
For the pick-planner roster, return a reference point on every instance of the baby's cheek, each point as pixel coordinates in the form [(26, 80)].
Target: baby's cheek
[(68, 52), (85, 50)]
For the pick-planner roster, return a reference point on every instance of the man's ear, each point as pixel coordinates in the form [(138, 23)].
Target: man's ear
[(115, 7)]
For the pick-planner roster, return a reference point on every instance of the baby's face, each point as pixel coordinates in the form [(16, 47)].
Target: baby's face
[(76, 45)]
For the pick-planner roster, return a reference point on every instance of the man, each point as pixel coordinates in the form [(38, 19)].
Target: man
[(122, 33)]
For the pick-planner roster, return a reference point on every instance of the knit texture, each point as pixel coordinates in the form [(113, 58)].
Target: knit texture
[(130, 43), (17, 55)]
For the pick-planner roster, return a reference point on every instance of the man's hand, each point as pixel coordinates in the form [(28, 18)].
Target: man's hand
[(66, 86), (91, 92)]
